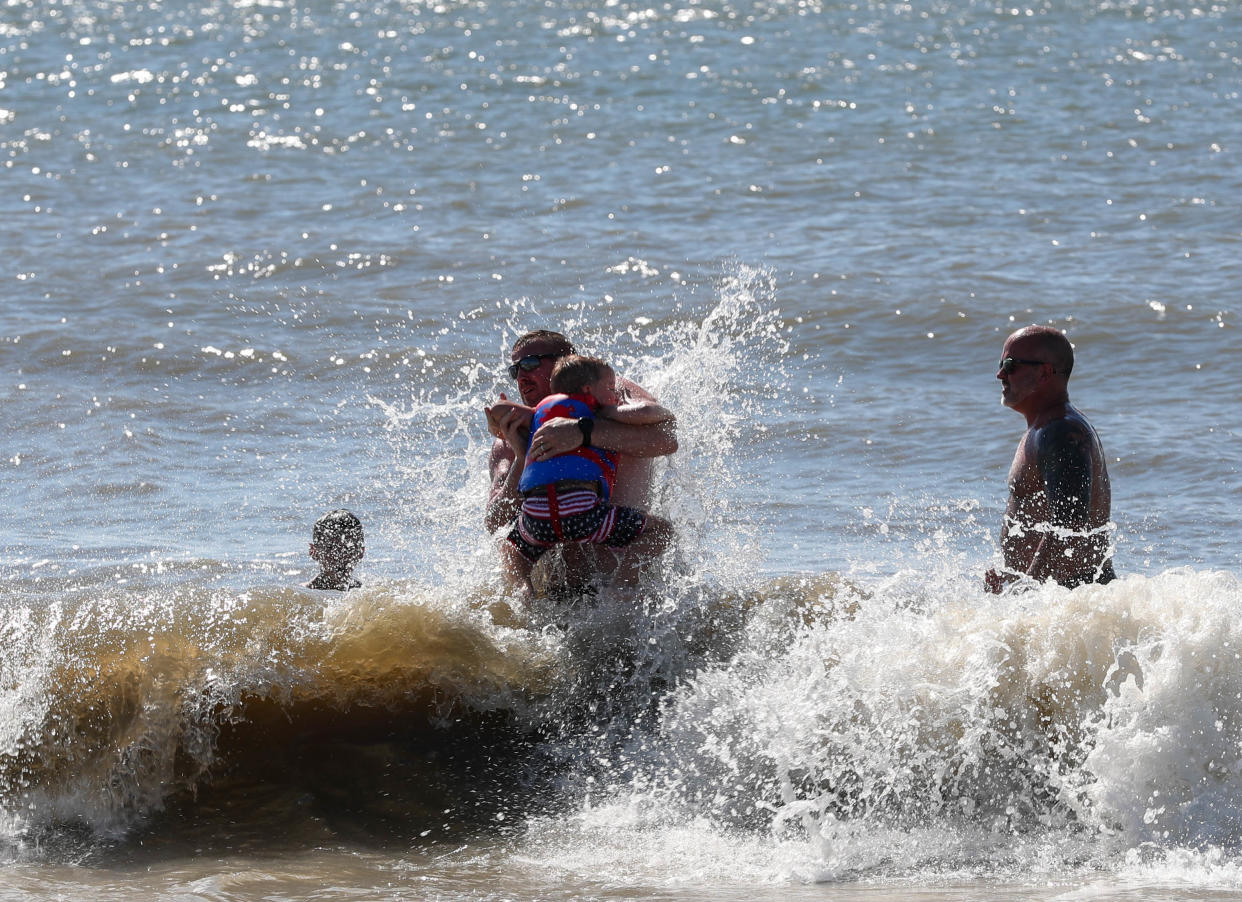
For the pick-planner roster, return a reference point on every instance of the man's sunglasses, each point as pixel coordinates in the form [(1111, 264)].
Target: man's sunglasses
[(1009, 364), (529, 362)]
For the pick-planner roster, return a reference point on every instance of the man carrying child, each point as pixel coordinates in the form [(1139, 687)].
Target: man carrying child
[(566, 495), (532, 360)]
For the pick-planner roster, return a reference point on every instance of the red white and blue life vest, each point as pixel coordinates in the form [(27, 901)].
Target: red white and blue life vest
[(589, 464)]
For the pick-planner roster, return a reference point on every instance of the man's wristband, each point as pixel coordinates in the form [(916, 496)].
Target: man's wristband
[(586, 424)]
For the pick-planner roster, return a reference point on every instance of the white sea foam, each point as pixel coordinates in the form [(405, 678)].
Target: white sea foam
[(1041, 732)]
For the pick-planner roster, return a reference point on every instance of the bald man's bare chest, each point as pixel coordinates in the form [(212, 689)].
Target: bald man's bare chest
[(1027, 498)]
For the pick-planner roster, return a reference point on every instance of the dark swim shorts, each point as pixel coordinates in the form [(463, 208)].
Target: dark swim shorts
[(579, 516), (1106, 574)]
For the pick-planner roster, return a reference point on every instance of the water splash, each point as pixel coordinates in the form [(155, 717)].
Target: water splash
[(853, 734), (132, 698)]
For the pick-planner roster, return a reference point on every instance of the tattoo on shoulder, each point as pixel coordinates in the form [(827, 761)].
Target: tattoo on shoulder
[(1064, 454), (1061, 432)]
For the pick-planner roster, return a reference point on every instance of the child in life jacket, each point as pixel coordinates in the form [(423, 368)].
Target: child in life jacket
[(565, 497)]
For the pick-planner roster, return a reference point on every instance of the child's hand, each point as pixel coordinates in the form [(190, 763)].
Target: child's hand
[(509, 422)]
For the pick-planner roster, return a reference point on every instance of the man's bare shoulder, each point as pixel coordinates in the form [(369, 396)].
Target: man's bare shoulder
[(1067, 428), (1071, 432), (632, 391)]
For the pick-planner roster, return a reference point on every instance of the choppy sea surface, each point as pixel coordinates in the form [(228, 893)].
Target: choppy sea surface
[(263, 259)]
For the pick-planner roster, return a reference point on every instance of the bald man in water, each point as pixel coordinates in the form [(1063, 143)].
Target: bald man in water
[(1056, 522)]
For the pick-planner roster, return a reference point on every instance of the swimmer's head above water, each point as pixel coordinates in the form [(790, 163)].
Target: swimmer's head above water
[(337, 545)]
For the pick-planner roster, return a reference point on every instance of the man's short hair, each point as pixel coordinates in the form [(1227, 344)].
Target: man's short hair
[(556, 342), (338, 529), (1056, 346), (574, 373)]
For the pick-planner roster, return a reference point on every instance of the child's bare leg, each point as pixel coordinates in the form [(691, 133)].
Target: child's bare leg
[(516, 570), (644, 551)]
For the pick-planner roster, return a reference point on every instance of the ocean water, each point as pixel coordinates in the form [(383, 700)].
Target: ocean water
[(264, 259)]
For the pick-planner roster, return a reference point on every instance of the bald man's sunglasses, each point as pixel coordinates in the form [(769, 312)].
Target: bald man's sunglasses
[(1009, 364), (529, 362)]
